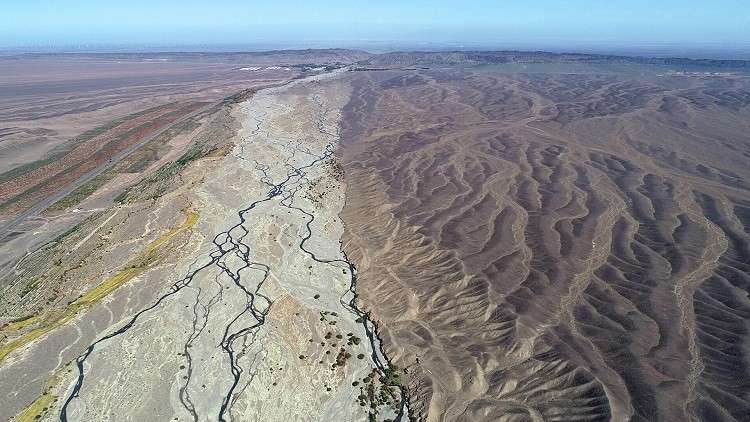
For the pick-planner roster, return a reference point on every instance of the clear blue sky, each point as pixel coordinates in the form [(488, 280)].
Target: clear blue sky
[(511, 22)]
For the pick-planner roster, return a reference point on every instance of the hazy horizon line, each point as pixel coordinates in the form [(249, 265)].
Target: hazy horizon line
[(706, 50)]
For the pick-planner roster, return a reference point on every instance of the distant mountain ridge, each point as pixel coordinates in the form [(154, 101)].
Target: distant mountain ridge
[(399, 58), (492, 57)]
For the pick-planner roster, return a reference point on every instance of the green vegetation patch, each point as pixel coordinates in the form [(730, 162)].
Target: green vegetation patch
[(380, 389), (29, 287)]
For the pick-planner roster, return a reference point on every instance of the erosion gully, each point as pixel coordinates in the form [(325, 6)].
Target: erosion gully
[(230, 243)]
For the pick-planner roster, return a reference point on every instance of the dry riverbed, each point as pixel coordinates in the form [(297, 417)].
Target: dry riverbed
[(233, 303)]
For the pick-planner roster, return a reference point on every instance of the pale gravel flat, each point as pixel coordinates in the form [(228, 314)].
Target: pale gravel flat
[(141, 374)]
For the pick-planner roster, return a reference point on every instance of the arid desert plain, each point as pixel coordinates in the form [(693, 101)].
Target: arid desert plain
[(335, 235)]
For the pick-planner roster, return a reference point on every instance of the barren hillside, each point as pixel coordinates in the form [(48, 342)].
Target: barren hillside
[(555, 246)]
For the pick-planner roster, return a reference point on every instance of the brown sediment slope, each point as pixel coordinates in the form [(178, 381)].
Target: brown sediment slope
[(551, 246)]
